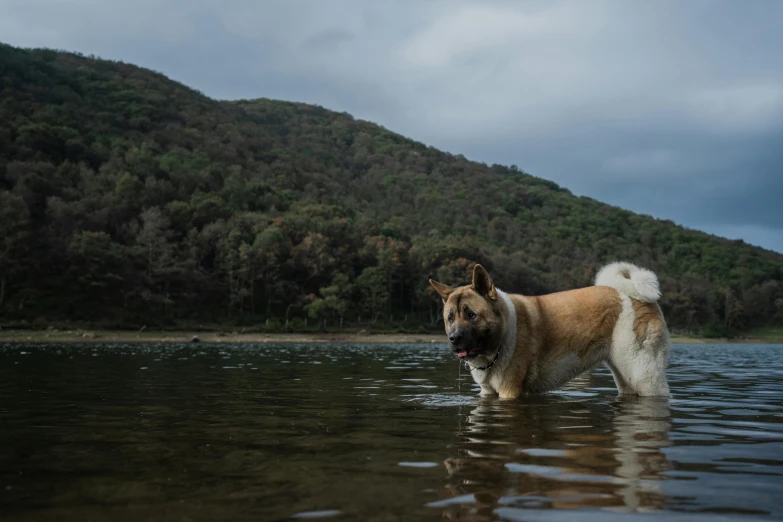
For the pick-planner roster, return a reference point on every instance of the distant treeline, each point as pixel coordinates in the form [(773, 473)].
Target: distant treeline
[(129, 199)]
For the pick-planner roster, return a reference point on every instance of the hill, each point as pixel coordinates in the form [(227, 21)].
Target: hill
[(128, 199)]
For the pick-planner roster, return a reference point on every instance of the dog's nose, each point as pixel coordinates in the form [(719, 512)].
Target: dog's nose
[(455, 337)]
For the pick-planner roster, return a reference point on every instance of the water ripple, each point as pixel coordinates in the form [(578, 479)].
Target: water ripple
[(369, 432)]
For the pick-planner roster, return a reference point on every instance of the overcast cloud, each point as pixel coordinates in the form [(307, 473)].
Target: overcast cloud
[(669, 108)]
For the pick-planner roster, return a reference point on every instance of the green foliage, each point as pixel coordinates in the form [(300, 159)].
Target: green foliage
[(130, 198), (372, 285), (97, 268), (332, 300)]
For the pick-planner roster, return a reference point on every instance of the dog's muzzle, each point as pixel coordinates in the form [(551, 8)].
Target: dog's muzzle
[(458, 341)]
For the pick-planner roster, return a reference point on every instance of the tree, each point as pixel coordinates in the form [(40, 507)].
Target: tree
[(374, 291), (271, 251), (14, 232), (332, 300), (159, 257), (96, 269)]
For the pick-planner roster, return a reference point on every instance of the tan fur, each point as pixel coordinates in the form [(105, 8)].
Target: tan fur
[(574, 323), (577, 319), (557, 336), (648, 319)]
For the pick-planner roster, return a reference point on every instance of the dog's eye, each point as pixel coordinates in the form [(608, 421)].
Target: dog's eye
[(451, 317), (471, 315)]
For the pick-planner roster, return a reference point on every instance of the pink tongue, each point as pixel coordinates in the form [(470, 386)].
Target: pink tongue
[(462, 353)]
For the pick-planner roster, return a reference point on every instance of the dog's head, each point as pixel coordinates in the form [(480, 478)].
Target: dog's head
[(472, 315)]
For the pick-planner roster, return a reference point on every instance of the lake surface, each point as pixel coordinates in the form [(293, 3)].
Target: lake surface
[(377, 433)]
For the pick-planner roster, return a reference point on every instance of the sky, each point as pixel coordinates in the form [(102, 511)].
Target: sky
[(669, 108)]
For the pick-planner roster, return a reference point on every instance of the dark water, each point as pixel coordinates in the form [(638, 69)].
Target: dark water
[(262, 432)]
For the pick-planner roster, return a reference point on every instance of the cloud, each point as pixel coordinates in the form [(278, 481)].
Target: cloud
[(64, 23), (656, 160), (468, 32), (328, 39), (670, 108), (740, 108)]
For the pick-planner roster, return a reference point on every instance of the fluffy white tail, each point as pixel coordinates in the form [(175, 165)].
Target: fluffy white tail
[(637, 283)]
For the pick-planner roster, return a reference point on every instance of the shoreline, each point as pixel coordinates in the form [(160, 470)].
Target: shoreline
[(210, 337), (185, 336)]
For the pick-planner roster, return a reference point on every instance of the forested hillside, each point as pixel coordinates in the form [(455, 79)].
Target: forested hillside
[(129, 199)]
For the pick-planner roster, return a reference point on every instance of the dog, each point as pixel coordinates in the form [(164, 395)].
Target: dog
[(515, 344)]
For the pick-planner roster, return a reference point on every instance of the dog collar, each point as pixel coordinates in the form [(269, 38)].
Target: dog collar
[(487, 367)]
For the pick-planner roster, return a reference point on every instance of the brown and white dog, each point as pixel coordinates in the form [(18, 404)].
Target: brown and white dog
[(516, 344)]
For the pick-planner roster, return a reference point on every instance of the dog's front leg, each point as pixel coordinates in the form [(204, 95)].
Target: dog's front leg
[(510, 391), (487, 390)]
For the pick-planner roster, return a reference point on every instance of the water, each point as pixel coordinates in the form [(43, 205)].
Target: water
[(377, 433)]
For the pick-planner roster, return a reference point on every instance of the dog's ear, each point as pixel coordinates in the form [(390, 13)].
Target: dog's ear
[(483, 284), (442, 289)]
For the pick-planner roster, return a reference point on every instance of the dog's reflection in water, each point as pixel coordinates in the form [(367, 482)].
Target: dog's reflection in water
[(544, 452)]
